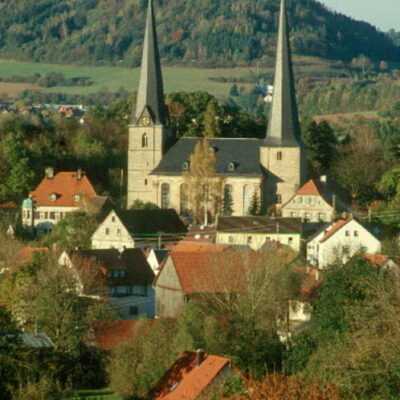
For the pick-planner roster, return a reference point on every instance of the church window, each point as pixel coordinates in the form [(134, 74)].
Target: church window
[(247, 197), (278, 199), (165, 195), (145, 182), (145, 140), (279, 155), (184, 198)]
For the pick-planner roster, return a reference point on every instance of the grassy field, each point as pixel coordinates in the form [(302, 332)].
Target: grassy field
[(175, 78), (95, 395), (112, 78)]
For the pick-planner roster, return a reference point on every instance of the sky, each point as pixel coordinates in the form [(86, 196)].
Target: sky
[(384, 14)]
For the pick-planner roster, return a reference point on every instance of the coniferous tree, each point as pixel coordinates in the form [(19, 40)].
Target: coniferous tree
[(227, 203), (254, 208)]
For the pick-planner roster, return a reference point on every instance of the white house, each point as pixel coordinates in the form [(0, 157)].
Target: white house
[(138, 228), (339, 241), (126, 276), (56, 196)]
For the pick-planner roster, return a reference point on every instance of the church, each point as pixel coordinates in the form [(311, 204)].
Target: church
[(274, 167)]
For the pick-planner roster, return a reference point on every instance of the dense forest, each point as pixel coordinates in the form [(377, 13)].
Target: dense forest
[(225, 32)]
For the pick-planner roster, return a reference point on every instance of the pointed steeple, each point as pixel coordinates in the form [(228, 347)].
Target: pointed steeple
[(283, 127), (150, 97)]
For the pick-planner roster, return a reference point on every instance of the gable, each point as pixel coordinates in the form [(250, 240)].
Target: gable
[(111, 222), (168, 277)]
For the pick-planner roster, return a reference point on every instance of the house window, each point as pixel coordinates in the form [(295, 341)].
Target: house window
[(278, 199), (290, 240), (119, 232), (321, 216), (145, 182), (77, 198), (347, 233), (300, 199), (346, 250), (293, 214), (184, 198), (133, 310), (145, 140), (107, 231), (307, 217), (53, 197), (46, 215), (249, 240), (356, 233), (52, 215), (230, 239), (279, 156), (112, 219), (267, 239), (165, 195)]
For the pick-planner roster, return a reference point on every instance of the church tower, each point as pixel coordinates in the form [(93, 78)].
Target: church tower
[(283, 153), (148, 130)]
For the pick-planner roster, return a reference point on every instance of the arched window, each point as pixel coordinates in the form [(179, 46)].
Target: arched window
[(228, 201), (165, 195), (247, 196), (145, 140), (184, 198)]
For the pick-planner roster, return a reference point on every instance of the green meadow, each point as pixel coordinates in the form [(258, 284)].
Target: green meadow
[(112, 78)]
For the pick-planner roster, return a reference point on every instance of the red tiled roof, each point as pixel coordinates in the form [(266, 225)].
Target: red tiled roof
[(108, 335), (205, 272), (376, 260), (336, 227), (65, 185), (198, 247), (187, 381), (309, 189), (27, 252)]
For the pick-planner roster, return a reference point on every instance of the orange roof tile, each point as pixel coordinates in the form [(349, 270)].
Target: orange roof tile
[(336, 226), (27, 252), (205, 272), (198, 247), (187, 381), (65, 185), (309, 189), (108, 335), (376, 260)]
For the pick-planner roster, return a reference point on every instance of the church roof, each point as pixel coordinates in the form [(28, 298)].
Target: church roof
[(235, 157), (283, 128), (150, 97)]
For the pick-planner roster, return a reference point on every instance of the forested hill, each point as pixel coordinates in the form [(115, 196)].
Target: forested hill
[(202, 32)]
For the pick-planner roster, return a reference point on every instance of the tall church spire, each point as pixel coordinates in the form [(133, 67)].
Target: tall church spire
[(150, 97), (283, 128)]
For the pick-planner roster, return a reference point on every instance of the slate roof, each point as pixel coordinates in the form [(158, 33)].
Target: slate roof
[(259, 225), (133, 261), (151, 221), (150, 97), (65, 185), (243, 153), (186, 380), (283, 127)]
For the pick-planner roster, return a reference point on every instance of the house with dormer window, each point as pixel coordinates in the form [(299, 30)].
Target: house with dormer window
[(56, 196)]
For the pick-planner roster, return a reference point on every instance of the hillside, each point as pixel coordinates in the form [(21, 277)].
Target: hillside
[(198, 32)]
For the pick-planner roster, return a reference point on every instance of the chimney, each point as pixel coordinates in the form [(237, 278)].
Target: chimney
[(79, 175), (199, 357), (49, 172)]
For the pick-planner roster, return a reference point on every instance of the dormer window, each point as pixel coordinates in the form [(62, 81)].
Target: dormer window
[(231, 166), (77, 197), (53, 197), (185, 165)]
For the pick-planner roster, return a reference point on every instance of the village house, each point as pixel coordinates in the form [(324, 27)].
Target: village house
[(193, 375), (256, 231), (138, 228), (339, 241), (316, 201), (126, 275), (58, 195)]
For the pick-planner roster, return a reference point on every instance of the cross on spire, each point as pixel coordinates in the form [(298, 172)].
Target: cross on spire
[(150, 96), (283, 127)]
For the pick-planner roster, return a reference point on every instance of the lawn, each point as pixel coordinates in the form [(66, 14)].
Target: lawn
[(95, 395), (175, 78)]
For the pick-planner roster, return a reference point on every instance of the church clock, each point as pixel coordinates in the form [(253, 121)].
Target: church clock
[(146, 121)]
